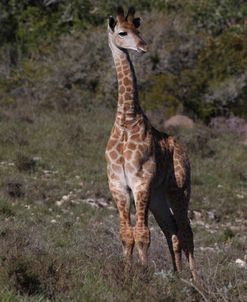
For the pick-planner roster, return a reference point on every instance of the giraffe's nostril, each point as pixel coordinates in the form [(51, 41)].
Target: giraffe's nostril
[(142, 47)]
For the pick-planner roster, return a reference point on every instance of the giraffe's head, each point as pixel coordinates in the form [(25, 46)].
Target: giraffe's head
[(123, 31)]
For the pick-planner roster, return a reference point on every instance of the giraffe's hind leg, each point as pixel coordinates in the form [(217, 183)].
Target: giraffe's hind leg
[(165, 219), (179, 205)]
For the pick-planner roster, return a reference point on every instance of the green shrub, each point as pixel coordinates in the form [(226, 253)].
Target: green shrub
[(6, 209), (228, 234), (217, 81), (161, 93), (55, 54), (217, 16)]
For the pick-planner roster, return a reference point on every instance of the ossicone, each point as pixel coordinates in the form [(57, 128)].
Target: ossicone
[(131, 14), (120, 13)]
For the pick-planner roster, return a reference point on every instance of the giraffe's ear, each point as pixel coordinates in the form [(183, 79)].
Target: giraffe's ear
[(111, 23), (137, 22)]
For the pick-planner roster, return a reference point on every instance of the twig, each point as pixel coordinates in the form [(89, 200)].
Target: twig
[(196, 288), (49, 2)]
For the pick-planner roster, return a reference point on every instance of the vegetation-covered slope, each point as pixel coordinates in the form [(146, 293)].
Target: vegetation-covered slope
[(58, 224), (196, 64)]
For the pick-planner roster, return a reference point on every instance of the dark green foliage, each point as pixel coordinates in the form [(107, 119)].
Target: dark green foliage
[(6, 209), (217, 82), (29, 22), (14, 188), (161, 90), (217, 16), (228, 234), (54, 53), (24, 281), (25, 163)]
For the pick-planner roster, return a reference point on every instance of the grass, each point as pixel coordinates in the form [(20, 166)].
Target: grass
[(57, 247)]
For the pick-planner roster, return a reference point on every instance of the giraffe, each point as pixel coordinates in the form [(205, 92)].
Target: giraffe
[(143, 162)]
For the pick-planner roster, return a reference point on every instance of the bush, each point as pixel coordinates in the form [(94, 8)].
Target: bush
[(217, 82), (58, 56), (218, 16), (161, 93)]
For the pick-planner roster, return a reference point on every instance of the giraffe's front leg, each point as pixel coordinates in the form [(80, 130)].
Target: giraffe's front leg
[(141, 231), (122, 199)]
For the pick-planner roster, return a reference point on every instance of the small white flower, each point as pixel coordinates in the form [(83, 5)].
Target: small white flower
[(53, 221), (65, 197), (37, 158), (59, 203), (241, 263)]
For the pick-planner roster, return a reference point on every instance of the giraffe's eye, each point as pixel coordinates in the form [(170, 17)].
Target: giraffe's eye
[(122, 33)]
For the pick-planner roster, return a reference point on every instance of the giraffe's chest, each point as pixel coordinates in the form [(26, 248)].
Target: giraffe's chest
[(129, 158), (127, 149)]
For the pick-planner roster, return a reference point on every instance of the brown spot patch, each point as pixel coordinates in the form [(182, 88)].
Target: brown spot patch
[(143, 136), (121, 89), (126, 106), (127, 154), (138, 157), (121, 100), (127, 96), (126, 68), (119, 160), (131, 146), (178, 170), (135, 137), (120, 75), (120, 148), (126, 81), (142, 148), (113, 154)]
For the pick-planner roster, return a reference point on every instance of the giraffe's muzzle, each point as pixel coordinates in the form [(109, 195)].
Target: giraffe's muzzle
[(142, 47)]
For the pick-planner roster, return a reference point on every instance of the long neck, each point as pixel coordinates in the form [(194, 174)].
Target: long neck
[(128, 103)]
